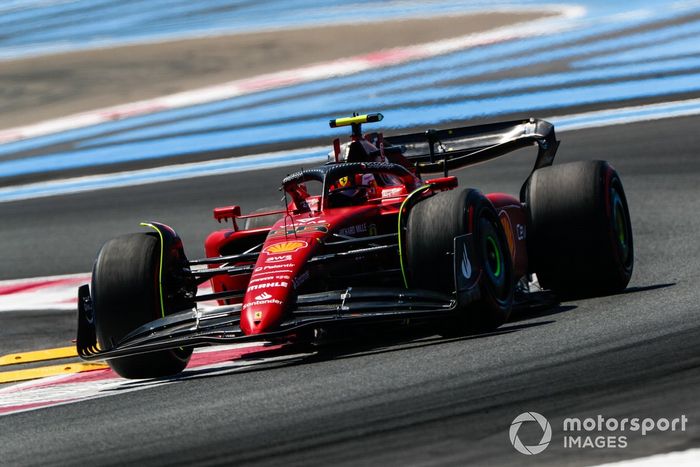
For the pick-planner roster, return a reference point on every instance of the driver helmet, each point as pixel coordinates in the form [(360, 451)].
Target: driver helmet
[(351, 190)]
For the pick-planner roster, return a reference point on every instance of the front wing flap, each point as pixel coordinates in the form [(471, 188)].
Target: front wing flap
[(197, 327)]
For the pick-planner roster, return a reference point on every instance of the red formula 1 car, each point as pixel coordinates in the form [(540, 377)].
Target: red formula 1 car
[(365, 239)]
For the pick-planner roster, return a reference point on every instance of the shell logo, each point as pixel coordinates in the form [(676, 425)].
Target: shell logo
[(285, 247)]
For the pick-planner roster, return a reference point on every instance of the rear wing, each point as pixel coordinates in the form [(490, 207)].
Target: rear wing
[(435, 151)]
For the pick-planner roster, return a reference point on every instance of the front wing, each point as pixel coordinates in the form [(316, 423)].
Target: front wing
[(197, 327)]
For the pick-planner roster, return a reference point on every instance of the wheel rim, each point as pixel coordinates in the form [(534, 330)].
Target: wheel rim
[(493, 257), (620, 225)]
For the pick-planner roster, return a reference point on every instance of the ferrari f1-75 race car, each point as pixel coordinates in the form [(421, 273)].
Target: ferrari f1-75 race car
[(366, 239)]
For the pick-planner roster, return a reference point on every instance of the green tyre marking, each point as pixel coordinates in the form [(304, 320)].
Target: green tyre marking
[(497, 250)]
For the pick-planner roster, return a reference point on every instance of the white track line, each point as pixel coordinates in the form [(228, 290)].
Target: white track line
[(312, 155), (318, 71), (270, 160)]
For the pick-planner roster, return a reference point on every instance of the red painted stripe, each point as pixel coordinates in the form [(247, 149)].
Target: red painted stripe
[(316, 71), (31, 405), (198, 360), (51, 292), (389, 56), (99, 383), (31, 285), (209, 358)]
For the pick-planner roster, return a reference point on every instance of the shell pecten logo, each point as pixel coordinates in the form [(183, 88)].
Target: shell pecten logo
[(285, 247)]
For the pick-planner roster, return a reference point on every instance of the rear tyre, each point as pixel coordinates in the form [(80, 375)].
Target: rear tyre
[(262, 221), (126, 295), (432, 226), (580, 240)]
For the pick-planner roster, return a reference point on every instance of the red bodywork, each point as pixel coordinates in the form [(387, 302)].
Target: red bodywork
[(281, 269), (348, 254)]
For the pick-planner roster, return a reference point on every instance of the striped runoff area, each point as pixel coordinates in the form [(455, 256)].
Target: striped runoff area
[(319, 71), (52, 293), (40, 27), (312, 155), (99, 381), (604, 55)]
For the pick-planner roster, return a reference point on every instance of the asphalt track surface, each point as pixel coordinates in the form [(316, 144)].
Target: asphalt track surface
[(419, 402)]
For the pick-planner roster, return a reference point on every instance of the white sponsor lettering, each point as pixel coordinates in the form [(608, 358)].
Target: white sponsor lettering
[(269, 275), (353, 229), (275, 266), (265, 276), (389, 192), (278, 259), (267, 285), (263, 296), (310, 221), (260, 279), (271, 301), (278, 266)]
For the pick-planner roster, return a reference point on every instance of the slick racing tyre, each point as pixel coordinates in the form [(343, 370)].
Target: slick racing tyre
[(432, 227), (580, 240), (262, 221), (126, 294)]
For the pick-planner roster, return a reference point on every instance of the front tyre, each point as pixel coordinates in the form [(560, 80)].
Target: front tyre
[(432, 227), (580, 242), (126, 294)]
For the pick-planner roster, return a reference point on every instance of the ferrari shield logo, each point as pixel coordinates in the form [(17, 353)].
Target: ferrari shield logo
[(343, 181)]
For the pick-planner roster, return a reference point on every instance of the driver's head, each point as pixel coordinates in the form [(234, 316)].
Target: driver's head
[(350, 196), (347, 191)]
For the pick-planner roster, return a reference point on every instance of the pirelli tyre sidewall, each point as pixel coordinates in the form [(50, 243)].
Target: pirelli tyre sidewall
[(580, 240), (126, 294), (432, 226)]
